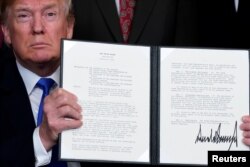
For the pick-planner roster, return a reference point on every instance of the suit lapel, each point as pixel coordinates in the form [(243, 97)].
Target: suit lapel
[(141, 16), (244, 8), (12, 87), (143, 10), (111, 17)]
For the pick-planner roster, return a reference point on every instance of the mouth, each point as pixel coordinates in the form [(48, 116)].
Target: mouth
[(39, 45)]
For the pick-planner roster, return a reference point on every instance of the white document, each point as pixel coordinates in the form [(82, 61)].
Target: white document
[(112, 83), (203, 95)]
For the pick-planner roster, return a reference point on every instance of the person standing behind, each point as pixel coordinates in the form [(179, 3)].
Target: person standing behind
[(154, 22), (242, 25), (224, 23), (216, 20)]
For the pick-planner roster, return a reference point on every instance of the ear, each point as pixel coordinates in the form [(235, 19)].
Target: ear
[(71, 23), (6, 33)]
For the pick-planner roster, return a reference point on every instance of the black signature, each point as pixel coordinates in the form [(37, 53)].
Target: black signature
[(217, 138)]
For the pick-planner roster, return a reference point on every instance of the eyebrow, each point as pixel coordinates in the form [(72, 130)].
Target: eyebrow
[(21, 8), (51, 6)]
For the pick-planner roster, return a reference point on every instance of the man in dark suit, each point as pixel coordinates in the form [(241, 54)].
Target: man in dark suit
[(155, 22), (33, 29)]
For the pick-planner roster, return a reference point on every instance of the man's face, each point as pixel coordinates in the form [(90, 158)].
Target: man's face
[(34, 29)]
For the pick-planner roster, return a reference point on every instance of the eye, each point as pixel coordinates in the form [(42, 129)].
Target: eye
[(51, 15), (23, 17)]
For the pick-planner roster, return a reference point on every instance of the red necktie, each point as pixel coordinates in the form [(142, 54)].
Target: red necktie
[(126, 16)]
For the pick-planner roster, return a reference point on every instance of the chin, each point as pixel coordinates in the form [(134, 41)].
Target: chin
[(44, 57)]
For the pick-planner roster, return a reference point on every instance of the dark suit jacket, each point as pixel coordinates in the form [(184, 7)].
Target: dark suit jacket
[(243, 25), (155, 22), (16, 119), (220, 25)]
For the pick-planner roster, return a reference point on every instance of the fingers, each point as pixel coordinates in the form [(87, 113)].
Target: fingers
[(245, 127), (61, 112), (62, 97), (67, 112), (246, 119), (246, 134), (246, 141), (62, 104), (70, 124)]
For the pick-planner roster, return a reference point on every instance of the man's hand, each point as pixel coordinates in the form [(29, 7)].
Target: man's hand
[(61, 112), (245, 126)]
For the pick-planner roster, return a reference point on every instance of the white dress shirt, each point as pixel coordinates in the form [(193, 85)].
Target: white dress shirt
[(236, 5), (118, 6), (30, 79)]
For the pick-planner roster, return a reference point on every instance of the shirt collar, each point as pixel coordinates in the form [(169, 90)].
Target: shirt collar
[(236, 4), (30, 79), (117, 2)]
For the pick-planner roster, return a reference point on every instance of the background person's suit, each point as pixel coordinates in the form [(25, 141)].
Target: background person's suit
[(155, 22), (220, 25)]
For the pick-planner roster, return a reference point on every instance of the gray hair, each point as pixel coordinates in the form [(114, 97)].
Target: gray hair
[(5, 5)]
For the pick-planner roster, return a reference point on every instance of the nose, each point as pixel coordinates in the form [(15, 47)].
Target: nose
[(37, 25)]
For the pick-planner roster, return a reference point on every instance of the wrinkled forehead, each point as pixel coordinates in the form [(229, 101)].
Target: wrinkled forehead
[(36, 4), (10, 6)]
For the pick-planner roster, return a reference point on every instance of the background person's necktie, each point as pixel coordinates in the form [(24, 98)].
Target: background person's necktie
[(46, 84), (126, 17)]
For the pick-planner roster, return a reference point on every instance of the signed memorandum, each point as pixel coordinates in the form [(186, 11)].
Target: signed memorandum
[(154, 105), (204, 94)]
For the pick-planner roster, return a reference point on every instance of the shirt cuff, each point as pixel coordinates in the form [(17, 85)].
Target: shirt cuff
[(42, 156)]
